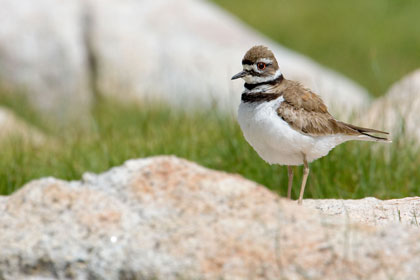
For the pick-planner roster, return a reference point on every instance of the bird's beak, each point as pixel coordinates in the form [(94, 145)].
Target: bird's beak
[(240, 75)]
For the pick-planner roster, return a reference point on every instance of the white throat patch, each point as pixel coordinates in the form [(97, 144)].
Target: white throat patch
[(258, 89), (255, 80)]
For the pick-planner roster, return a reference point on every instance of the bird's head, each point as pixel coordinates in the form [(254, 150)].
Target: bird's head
[(259, 66)]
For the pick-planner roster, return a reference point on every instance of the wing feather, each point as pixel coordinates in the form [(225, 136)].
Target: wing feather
[(306, 112)]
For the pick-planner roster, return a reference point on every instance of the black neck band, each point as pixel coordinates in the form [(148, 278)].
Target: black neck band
[(259, 97)]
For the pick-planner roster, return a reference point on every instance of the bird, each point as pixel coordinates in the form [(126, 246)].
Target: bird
[(286, 123)]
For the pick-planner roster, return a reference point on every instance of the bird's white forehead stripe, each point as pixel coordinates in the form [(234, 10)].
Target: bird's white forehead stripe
[(250, 67), (265, 60)]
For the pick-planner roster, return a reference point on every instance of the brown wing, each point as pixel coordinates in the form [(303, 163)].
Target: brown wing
[(305, 112)]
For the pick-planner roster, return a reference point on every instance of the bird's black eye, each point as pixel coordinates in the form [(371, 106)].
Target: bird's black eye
[(261, 65)]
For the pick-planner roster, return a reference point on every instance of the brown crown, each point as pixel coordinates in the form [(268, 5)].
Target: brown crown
[(258, 52)]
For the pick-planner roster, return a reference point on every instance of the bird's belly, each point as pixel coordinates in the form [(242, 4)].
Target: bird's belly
[(274, 140), (271, 137), (323, 145)]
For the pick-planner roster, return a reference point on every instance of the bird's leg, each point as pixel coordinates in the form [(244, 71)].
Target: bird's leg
[(290, 182), (305, 177)]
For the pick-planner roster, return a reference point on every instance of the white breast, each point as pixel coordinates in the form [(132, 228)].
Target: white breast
[(275, 141)]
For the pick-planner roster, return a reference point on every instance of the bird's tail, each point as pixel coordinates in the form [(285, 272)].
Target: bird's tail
[(365, 134)]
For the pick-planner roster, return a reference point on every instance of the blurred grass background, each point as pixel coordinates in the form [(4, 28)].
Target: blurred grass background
[(374, 42), (117, 132)]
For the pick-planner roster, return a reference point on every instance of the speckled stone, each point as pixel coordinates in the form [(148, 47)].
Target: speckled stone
[(168, 218), (370, 210)]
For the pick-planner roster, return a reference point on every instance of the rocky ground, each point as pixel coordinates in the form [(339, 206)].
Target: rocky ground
[(370, 210), (168, 218)]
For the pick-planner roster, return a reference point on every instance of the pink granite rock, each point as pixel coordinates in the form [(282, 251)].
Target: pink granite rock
[(167, 218)]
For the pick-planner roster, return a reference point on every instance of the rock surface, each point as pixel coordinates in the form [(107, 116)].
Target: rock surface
[(398, 110), (64, 53), (167, 218), (370, 210), (12, 126)]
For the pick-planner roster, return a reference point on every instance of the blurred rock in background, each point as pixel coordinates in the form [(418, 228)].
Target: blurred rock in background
[(11, 126), (398, 110), (43, 55), (63, 53)]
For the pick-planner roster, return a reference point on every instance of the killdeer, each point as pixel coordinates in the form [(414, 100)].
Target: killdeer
[(286, 123)]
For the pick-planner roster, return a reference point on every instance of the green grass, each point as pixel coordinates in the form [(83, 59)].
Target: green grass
[(374, 42), (118, 132)]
